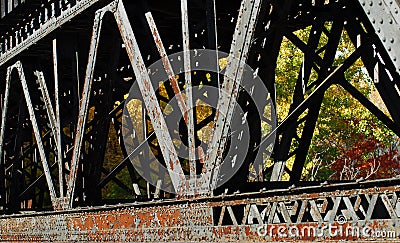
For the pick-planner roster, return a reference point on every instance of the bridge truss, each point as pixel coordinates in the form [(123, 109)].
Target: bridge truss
[(68, 66)]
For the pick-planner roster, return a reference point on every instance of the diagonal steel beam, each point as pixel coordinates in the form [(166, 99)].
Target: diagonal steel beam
[(36, 132), (186, 108), (312, 116), (2, 133), (310, 58), (333, 77), (353, 91), (83, 109), (121, 165), (240, 46), (167, 66), (150, 100), (4, 112), (53, 124)]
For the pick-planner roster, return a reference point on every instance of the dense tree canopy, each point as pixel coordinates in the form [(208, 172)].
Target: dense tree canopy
[(348, 142)]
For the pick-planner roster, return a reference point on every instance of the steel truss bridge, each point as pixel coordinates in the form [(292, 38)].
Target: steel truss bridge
[(67, 66)]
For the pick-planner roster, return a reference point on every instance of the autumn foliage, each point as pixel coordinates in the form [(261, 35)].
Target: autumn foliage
[(368, 158), (349, 142)]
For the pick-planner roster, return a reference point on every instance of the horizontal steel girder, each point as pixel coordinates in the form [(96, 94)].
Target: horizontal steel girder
[(223, 218)]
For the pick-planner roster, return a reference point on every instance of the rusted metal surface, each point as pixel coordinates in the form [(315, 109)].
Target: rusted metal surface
[(290, 215), (149, 96), (187, 113), (167, 66), (189, 97)]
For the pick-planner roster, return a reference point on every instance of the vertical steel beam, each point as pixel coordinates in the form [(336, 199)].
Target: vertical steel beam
[(158, 188), (57, 119), (212, 34), (3, 8), (211, 15), (99, 135), (10, 6), (189, 96), (136, 189)]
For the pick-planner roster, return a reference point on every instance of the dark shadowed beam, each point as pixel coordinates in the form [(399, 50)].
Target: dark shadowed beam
[(313, 113), (282, 150)]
